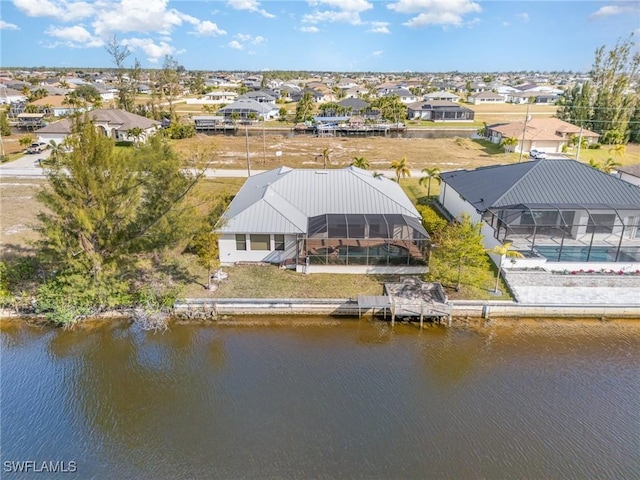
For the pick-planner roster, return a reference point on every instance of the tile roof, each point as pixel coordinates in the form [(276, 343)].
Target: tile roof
[(540, 129)]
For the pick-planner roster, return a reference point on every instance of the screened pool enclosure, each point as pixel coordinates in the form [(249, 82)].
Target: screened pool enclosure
[(595, 233), (363, 239)]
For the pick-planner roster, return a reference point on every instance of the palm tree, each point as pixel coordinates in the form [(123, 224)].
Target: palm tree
[(509, 144), (136, 133), (401, 168), (609, 165), (504, 251), (235, 116), (430, 173), (360, 162), (594, 164), (618, 150)]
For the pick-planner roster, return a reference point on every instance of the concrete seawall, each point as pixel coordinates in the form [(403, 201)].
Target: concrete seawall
[(349, 307)]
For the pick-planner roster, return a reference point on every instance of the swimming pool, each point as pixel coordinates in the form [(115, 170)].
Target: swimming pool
[(574, 253)]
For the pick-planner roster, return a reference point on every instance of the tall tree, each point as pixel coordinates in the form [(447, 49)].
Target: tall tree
[(607, 102), (459, 249), (126, 78), (169, 79), (105, 208), (304, 108)]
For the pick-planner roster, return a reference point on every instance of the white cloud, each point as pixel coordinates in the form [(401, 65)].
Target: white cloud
[(310, 29), (154, 51), (150, 16), (62, 10), (379, 27), (250, 5), (346, 11), (258, 40), (523, 16), (435, 12), (8, 26), (505, 24), (208, 29), (236, 44), (76, 36), (377, 53), (611, 10), (242, 39)]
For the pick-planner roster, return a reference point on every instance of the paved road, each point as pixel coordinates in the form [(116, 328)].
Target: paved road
[(27, 166)]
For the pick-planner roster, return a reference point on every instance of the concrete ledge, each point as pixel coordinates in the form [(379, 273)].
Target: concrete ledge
[(349, 307)]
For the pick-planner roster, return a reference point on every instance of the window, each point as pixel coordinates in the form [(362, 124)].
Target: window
[(278, 240), (260, 242), (241, 241), (601, 223)]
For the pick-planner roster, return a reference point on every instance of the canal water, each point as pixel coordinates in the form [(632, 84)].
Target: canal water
[(322, 399)]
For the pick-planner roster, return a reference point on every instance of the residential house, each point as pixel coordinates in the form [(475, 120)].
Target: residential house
[(56, 106), (218, 97), (259, 96), (403, 94), (355, 105), (336, 220), (439, 111), (543, 134), (560, 214), (245, 108), (485, 97), (9, 95), (630, 173), (441, 95), (111, 122)]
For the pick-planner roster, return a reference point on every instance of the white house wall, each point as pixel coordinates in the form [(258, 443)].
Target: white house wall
[(456, 205), (230, 255)]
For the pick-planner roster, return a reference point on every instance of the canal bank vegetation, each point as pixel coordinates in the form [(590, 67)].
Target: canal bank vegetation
[(109, 225)]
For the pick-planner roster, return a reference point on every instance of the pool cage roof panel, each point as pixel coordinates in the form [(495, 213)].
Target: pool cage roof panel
[(560, 208), (352, 225)]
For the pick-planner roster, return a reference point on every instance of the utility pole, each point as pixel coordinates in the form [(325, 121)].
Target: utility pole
[(246, 141), (579, 145), (524, 129)]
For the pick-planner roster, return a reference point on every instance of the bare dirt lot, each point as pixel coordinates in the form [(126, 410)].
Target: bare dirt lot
[(307, 151)]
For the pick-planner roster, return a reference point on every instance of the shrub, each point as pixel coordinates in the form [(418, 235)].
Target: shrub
[(595, 146), (432, 221)]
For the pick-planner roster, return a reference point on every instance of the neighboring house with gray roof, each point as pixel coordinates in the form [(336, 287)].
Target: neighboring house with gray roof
[(245, 107), (439, 111), (630, 173), (560, 214), (336, 220)]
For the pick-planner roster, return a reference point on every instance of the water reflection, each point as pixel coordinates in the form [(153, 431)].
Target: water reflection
[(286, 398)]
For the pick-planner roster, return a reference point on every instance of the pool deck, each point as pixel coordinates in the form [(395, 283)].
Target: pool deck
[(535, 288)]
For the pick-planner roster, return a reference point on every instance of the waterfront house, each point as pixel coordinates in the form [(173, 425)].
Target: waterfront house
[(560, 214), (439, 111), (336, 220), (543, 134), (245, 108)]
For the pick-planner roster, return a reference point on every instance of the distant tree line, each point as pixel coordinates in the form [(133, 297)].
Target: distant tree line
[(609, 103)]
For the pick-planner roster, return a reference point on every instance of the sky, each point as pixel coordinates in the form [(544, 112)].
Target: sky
[(317, 35)]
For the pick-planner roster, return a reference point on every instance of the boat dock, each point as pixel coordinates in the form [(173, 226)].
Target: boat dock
[(411, 298)]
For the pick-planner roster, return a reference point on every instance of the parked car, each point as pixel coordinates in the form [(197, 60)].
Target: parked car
[(537, 154), (37, 147)]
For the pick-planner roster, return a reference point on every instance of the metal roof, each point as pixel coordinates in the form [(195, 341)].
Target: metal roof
[(542, 182), (283, 199)]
